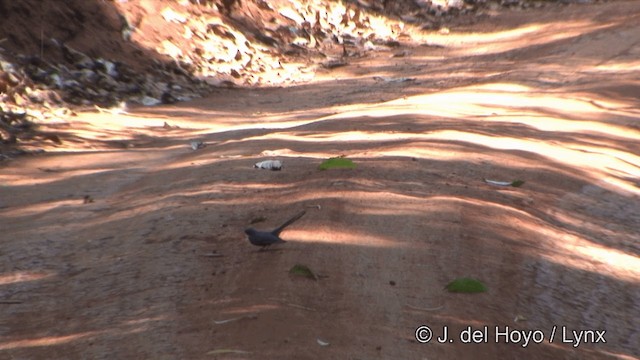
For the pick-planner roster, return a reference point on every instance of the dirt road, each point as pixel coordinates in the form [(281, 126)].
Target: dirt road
[(123, 243)]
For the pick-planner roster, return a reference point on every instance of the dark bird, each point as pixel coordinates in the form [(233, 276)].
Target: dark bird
[(266, 238)]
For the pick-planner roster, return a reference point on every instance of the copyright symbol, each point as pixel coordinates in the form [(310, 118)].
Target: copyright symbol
[(423, 334)]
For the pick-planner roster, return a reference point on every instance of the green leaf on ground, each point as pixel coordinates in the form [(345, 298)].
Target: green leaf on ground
[(337, 162), (304, 271), (466, 285)]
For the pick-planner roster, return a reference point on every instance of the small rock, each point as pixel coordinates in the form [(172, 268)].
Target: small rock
[(197, 145), (149, 101)]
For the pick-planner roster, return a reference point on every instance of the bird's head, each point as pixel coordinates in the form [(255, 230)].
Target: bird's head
[(250, 231)]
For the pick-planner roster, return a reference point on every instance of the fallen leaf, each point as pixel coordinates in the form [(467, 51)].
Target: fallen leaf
[(304, 271), (338, 162), (466, 285)]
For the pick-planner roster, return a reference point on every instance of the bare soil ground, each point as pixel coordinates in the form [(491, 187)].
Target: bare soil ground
[(155, 264)]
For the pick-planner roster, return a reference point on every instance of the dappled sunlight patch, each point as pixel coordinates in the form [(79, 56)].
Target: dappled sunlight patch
[(103, 132), (134, 121), (126, 327), (598, 165), (416, 150), (467, 202), (617, 67), (555, 244), (623, 265), (571, 249), (25, 276), (591, 353), (336, 235), (493, 42), (39, 208), (48, 340), (629, 186), (144, 321), (375, 209), (191, 121), (578, 220), (342, 136), (123, 123), (600, 162), (377, 198), (250, 309), (200, 161), (585, 255), (612, 354), (55, 175), (505, 102), (179, 121)]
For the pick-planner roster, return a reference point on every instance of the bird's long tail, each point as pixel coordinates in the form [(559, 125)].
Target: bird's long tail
[(279, 229)]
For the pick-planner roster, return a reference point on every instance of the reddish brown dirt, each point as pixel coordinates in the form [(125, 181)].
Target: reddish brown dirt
[(157, 265)]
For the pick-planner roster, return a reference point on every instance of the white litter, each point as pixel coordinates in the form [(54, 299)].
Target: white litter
[(196, 145), (498, 183), (274, 165)]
